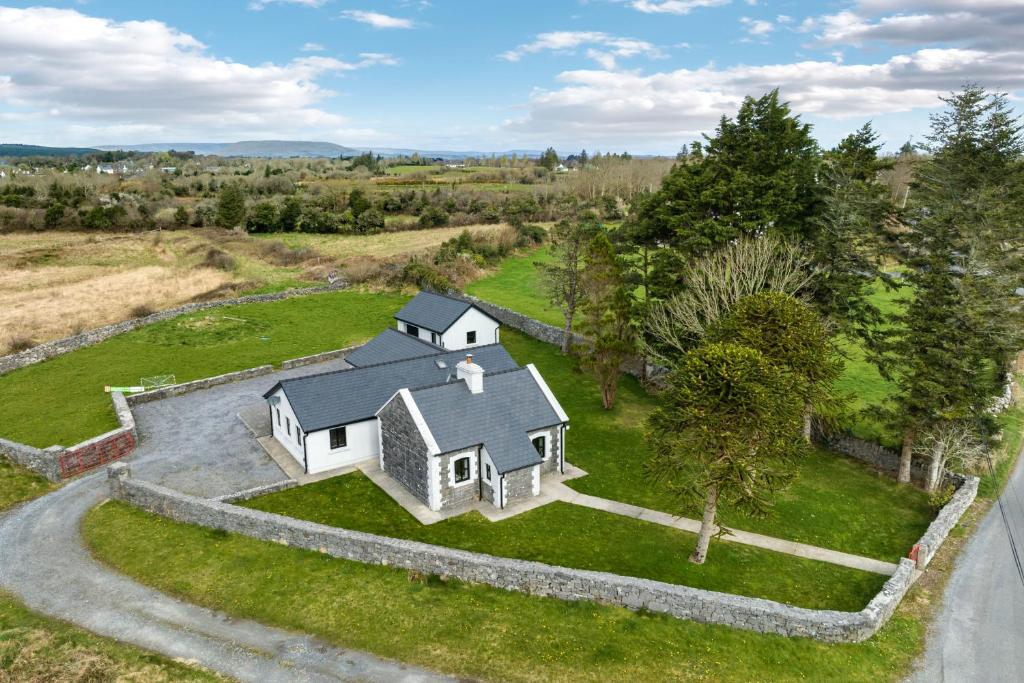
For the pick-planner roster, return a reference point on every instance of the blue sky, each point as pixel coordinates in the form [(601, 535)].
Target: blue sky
[(642, 75)]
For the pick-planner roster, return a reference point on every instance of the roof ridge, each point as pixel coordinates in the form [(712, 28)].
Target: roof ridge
[(441, 352), (449, 383)]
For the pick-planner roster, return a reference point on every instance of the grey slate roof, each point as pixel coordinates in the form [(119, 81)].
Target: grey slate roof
[(433, 312), (390, 345), (341, 397), (510, 405)]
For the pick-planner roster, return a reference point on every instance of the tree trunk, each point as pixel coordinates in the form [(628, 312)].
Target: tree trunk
[(808, 423), (906, 454), (567, 337), (707, 526), (935, 469)]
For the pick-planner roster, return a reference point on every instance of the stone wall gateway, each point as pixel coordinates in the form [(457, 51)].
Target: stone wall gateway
[(684, 602)]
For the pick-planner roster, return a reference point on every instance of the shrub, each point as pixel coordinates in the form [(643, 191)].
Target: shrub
[(433, 217), (221, 260), (369, 222), (20, 343), (262, 218), (141, 311), (533, 234), (282, 255), (425, 276)]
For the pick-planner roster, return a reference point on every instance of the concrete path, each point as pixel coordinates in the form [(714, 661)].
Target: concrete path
[(979, 635), (779, 545), (44, 563)]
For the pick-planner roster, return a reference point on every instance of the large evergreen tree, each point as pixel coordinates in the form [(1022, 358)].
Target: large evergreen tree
[(948, 350), (756, 174)]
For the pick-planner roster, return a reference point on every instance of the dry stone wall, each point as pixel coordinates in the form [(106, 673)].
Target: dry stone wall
[(754, 614)]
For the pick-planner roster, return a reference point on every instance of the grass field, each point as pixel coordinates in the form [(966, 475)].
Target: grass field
[(517, 284), (18, 484), (383, 245), (572, 536), (467, 630), (61, 401)]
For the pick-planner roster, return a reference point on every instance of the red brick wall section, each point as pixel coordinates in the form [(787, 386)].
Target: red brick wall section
[(96, 453)]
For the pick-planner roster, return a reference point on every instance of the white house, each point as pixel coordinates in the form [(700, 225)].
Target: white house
[(446, 322), (451, 427)]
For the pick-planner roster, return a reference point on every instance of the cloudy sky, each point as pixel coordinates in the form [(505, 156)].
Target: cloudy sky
[(642, 75)]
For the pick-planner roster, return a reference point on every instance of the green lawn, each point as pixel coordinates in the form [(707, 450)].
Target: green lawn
[(573, 536), (18, 484), (517, 284), (467, 630), (61, 401), (836, 502)]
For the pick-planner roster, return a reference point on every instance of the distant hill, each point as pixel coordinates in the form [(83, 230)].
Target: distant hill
[(7, 150), (301, 148), (246, 148)]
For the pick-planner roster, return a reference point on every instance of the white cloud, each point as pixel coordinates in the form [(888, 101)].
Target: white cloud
[(675, 6), (620, 107), (757, 27), (603, 48), (979, 23), (312, 47), (260, 4), (377, 20), (104, 75)]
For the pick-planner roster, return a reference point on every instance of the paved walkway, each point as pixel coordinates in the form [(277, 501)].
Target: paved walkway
[(810, 552)]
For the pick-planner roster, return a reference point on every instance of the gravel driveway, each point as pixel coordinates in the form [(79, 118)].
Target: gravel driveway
[(197, 444)]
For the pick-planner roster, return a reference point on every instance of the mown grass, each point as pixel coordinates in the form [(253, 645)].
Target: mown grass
[(37, 648), (573, 536), (467, 630), (18, 484), (517, 284), (61, 401), (835, 503)]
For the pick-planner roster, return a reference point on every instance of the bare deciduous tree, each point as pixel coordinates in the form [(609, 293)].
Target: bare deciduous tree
[(714, 283), (948, 443)]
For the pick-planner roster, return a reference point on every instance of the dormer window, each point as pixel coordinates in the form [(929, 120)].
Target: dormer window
[(412, 330)]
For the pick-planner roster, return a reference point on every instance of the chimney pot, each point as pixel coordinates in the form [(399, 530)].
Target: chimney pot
[(469, 359)]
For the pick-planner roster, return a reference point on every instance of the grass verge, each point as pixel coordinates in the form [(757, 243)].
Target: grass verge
[(463, 629), (36, 648), (18, 484), (573, 536)]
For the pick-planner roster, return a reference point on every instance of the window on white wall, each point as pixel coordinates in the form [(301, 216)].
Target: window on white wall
[(462, 470), (278, 416), (487, 472), (412, 329), (298, 434), (288, 426), (540, 443), (339, 438), (471, 337)]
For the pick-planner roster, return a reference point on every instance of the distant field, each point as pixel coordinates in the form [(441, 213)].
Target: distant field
[(381, 246), (54, 284)]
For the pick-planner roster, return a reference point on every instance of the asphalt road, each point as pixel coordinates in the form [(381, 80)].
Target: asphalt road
[(979, 636)]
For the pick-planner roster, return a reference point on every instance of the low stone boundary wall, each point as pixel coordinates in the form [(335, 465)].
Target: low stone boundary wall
[(684, 602), (317, 358), (257, 491), (889, 461), (197, 385), (57, 463), (42, 352), (42, 461), (948, 517), (546, 333)]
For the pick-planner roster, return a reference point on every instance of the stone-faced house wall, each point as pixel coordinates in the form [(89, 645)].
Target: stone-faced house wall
[(404, 453), (554, 444), (465, 493), (519, 484)]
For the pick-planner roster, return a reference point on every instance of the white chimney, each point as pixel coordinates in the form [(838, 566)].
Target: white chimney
[(472, 373)]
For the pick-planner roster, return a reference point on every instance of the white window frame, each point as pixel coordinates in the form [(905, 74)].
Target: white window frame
[(472, 469), (546, 433)]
